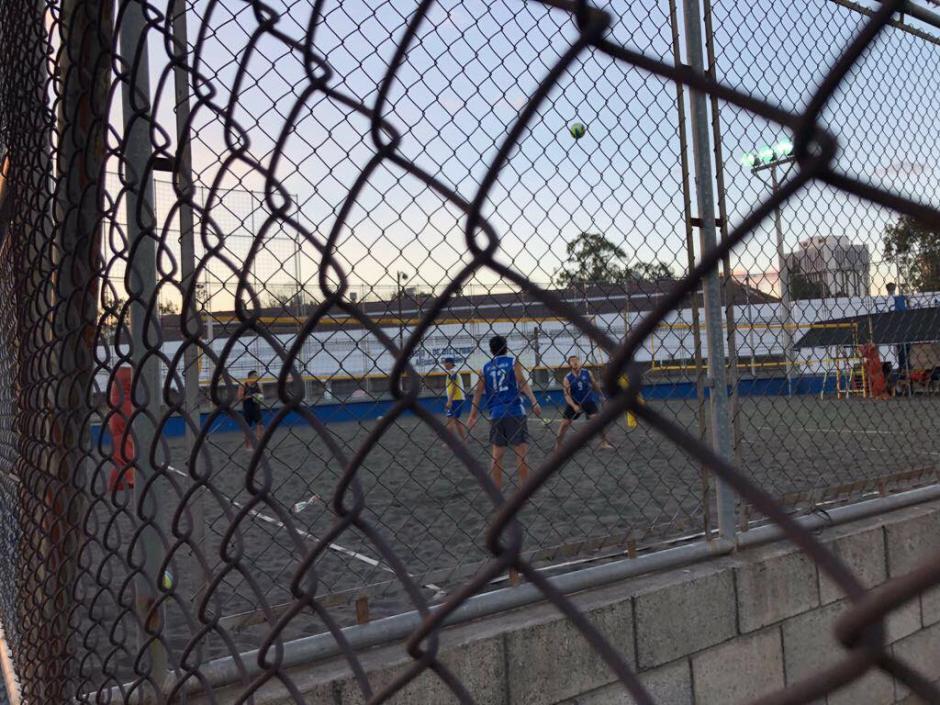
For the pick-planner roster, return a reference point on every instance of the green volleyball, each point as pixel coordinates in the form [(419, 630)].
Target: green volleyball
[(577, 130)]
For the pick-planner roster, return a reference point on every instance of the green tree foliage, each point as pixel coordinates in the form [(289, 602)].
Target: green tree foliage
[(802, 287), (915, 248), (593, 259)]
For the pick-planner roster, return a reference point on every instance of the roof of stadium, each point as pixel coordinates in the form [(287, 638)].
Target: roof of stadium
[(916, 325), (594, 299)]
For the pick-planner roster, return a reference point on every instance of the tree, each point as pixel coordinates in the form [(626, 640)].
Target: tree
[(652, 271), (167, 308), (915, 249), (802, 287), (594, 259)]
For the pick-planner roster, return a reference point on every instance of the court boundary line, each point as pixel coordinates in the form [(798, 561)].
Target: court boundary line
[(368, 560)]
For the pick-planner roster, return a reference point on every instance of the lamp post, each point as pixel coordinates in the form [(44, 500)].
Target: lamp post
[(750, 320), (769, 159), (400, 279)]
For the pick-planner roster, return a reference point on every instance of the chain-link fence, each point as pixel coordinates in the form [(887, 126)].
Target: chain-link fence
[(255, 255)]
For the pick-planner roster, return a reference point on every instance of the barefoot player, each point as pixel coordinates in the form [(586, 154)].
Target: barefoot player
[(581, 393), (500, 387)]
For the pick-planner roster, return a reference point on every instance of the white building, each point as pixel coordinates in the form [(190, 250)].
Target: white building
[(840, 265)]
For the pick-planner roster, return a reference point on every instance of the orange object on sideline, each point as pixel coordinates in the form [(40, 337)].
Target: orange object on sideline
[(877, 386), (123, 452)]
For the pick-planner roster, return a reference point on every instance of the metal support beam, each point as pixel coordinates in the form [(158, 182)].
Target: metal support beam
[(719, 412)]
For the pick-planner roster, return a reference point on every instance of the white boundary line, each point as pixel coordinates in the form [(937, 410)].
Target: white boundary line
[(842, 431), (306, 534), (867, 449), (368, 560)]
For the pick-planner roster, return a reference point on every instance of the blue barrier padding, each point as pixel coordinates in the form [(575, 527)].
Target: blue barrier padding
[(338, 412)]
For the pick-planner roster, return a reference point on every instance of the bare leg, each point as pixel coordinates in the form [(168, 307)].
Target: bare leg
[(496, 469), (259, 431), (562, 430), (457, 427), (605, 443), (522, 461)]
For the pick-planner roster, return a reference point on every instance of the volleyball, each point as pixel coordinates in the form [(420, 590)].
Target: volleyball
[(577, 130)]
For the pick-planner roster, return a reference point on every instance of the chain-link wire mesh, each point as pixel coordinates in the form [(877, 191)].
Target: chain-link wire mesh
[(254, 255)]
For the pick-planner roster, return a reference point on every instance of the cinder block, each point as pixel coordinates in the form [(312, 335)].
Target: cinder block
[(920, 651), (480, 666), (911, 540), (874, 688), (773, 586), (809, 646), (864, 554), (679, 618), (902, 622), (740, 670), (930, 606), (552, 661), (670, 684)]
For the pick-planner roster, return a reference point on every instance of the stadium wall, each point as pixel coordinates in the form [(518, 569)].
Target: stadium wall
[(740, 627), (351, 352), (338, 412)]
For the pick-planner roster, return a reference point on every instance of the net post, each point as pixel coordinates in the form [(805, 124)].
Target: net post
[(142, 289), (720, 422)]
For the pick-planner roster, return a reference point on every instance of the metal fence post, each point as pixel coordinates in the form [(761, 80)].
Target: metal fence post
[(183, 173), (83, 72), (142, 276), (690, 261), (719, 418), (731, 328)]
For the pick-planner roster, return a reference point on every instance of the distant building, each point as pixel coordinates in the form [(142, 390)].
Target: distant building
[(840, 266)]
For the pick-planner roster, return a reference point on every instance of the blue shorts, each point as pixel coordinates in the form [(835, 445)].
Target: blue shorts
[(456, 409)]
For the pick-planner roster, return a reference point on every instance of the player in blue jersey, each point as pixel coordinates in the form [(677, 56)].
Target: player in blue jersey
[(453, 407), (581, 393), (500, 388)]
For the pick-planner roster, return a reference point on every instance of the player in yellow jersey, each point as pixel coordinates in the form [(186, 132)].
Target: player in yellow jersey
[(455, 399)]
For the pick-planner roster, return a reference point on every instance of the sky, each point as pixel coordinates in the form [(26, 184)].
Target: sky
[(460, 90)]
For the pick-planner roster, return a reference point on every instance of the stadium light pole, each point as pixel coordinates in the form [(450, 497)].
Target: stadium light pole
[(770, 159)]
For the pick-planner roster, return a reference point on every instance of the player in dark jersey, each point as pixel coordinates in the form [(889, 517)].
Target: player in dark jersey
[(250, 394), (581, 393), (500, 388)]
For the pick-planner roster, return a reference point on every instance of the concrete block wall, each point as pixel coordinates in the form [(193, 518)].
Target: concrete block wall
[(720, 632)]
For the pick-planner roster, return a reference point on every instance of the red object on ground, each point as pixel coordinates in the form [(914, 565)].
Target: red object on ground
[(123, 452), (877, 386)]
